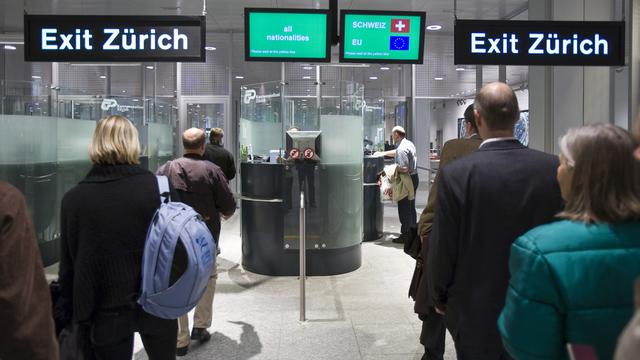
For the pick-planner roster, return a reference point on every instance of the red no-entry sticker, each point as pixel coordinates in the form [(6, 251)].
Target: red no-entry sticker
[(308, 153), (294, 154)]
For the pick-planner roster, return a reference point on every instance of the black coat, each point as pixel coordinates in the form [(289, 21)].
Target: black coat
[(485, 201), (104, 222), (221, 157)]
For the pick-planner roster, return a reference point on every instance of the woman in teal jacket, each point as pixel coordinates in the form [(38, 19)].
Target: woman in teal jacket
[(572, 280)]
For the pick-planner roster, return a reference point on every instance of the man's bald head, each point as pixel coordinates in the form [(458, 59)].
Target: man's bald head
[(193, 139), (497, 105)]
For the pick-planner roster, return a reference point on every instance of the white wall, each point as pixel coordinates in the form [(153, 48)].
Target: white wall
[(444, 115)]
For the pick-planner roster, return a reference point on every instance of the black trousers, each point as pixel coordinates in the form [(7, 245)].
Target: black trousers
[(407, 210), (465, 353), (433, 335), (112, 335)]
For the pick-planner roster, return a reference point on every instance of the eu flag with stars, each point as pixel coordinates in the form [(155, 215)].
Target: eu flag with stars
[(399, 43)]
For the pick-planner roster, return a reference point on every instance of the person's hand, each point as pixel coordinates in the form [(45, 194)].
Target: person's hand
[(439, 311), (378, 154), (227, 217), (388, 191), (423, 238)]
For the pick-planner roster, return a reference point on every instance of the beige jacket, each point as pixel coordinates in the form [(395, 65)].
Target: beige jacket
[(401, 183)]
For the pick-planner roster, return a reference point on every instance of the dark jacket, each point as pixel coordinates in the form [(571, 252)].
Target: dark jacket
[(570, 283), (104, 222), (201, 185), (26, 323), (452, 150), (485, 201), (221, 157)]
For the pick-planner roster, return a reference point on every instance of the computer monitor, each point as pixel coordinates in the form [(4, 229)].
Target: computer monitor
[(303, 145)]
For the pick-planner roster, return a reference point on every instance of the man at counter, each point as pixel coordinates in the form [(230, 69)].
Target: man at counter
[(405, 159), (203, 186)]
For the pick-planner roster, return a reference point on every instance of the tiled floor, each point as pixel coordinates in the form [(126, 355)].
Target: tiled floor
[(361, 315)]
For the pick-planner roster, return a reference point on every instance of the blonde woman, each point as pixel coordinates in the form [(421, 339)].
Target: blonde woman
[(571, 280), (104, 221)]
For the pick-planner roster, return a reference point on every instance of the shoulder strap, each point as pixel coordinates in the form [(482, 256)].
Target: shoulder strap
[(163, 186)]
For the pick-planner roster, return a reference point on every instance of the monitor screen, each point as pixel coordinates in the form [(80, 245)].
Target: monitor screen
[(286, 35), (382, 36)]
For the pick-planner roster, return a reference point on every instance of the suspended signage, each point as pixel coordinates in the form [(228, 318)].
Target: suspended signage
[(286, 35), (114, 38), (382, 36), (575, 43)]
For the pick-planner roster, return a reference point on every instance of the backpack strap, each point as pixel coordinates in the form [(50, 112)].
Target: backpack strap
[(163, 186)]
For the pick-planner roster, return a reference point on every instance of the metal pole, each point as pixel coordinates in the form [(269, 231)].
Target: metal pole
[(303, 259)]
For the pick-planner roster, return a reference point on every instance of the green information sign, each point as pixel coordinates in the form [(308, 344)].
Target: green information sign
[(286, 35), (382, 37)]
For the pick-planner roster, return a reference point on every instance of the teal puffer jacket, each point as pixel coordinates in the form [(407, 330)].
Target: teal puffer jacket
[(570, 283)]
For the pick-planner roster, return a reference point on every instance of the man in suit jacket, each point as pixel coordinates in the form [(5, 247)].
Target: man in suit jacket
[(485, 201), (433, 328)]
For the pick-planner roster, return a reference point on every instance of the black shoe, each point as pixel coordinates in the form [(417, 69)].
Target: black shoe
[(182, 351), (202, 335), (399, 240)]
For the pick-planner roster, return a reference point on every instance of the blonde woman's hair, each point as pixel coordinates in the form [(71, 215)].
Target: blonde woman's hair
[(605, 186), (115, 141)]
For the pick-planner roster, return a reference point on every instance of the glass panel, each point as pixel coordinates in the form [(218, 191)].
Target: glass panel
[(206, 116), (261, 127), (341, 123), (44, 156), (373, 126)]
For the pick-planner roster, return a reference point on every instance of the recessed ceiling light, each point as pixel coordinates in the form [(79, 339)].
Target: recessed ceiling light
[(438, 78), (460, 69), (308, 90), (434, 27), (209, 48), (307, 67), (135, 100), (35, 77), (306, 77), (103, 76), (9, 47), (239, 77), (149, 67), (384, 68), (373, 78), (124, 91)]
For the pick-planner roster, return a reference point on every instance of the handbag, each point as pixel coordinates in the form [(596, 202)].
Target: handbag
[(413, 244), (75, 342), (415, 280)]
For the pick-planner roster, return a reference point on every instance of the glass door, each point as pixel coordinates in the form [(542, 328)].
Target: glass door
[(207, 112)]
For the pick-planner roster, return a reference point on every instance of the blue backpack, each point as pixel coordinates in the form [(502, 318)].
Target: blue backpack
[(174, 222)]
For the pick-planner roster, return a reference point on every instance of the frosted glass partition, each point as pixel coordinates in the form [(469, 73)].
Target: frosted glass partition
[(160, 144), (373, 125), (44, 157), (260, 137), (261, 127), (341, 173)]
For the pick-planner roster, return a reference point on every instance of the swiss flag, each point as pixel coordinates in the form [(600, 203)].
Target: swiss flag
[(400, 25)]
